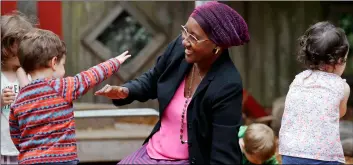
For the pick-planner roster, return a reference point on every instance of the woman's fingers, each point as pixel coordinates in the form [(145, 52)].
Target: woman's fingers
[(101, 91), (122, 92), (113, 92), (108, 89)]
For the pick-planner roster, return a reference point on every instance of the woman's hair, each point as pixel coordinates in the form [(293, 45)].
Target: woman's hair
[(323, 44), (13, 27), (259, 140)]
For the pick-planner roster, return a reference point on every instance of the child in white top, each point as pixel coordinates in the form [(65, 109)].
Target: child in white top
[(316, 100), (13, 26)]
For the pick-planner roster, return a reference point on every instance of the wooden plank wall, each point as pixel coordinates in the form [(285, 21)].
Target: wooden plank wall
[(267, 64), (78, 16)]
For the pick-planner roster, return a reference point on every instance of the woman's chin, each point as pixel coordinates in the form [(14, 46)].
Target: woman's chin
[(189, 59)]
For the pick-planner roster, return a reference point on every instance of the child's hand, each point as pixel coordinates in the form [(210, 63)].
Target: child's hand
[(343, 103), (113, 92), (123, 57), (7, 96)]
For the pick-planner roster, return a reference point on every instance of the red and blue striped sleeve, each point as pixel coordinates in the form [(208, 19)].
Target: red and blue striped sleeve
[(72, 88), (14, 129)]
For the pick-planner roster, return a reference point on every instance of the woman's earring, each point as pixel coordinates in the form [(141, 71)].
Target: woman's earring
[(215, 50)]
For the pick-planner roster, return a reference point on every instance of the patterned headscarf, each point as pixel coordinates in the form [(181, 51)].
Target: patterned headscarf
[(223, 25)]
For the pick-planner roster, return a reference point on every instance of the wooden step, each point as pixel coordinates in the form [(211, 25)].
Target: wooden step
[(111, 144), (112, 134), (123, 131), (106, 119), (88, 106)]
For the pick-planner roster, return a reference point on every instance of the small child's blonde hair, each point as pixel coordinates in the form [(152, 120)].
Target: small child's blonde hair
[(259, 140)]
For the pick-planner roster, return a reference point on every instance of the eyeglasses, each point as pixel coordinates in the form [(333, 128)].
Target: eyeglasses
[(189, 37)]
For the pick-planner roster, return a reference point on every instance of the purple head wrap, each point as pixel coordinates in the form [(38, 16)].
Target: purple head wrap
[(223, 25)]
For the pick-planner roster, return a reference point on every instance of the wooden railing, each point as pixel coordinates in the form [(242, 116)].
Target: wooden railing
[(106, 134)]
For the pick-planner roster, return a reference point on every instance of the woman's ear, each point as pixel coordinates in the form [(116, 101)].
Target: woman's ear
[(53, 63)]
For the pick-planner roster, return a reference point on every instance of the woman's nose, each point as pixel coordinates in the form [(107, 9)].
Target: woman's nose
[(186, 43)]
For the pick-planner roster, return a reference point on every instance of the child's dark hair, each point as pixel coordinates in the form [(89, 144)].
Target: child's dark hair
[(38, 47), (13, 27), (321, 44)]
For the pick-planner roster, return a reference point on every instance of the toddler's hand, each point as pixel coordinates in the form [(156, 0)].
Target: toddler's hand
[(123, 57), (7, 96)]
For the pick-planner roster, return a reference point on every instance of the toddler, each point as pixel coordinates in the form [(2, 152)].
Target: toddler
[(42, 122), (316, 100), (258, 144)]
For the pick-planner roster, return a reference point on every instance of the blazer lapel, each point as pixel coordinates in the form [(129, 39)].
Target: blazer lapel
[(212, 72), (174, 83)]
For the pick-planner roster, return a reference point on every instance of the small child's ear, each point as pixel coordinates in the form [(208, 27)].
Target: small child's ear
[(53, 62)]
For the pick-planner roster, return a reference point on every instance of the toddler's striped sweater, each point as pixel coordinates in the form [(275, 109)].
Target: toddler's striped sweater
[(42, 124)]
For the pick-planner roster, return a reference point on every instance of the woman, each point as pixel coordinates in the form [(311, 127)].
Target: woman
[(195, 82)]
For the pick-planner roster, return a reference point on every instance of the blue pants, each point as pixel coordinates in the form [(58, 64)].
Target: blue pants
[(63, 163), (296, 160)]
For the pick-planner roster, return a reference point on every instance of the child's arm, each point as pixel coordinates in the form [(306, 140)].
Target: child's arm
[(343, 104), (14, 129), (71, 88), (22, 77)]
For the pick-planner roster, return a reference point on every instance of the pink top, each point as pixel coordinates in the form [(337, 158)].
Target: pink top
[(165, 144)]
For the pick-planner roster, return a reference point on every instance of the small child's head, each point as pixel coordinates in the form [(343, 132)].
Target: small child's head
[(13, 27), (42, 51), (324, 47), (259, 143)]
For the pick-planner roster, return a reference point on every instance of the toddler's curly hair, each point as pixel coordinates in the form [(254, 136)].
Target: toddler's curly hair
[(323, 44)]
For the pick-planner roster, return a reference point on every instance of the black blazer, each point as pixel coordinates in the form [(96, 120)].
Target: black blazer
[(214, 113)]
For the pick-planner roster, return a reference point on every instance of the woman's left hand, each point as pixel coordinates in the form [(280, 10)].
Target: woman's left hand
[(113, 92)]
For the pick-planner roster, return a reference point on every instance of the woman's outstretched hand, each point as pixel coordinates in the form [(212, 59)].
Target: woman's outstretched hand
[(113, 92)]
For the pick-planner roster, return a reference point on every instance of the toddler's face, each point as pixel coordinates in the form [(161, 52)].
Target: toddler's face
[(60, 68)]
